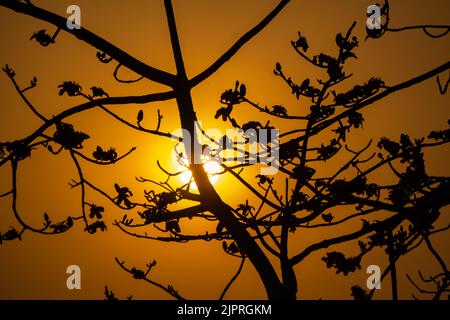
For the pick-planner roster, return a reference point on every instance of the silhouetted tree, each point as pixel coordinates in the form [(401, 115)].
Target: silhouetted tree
[(411, 207)]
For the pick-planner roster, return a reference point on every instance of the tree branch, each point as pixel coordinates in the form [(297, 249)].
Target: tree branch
[(238, 44), (236, 275)]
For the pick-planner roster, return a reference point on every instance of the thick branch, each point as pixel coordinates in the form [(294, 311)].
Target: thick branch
[(238, 44)]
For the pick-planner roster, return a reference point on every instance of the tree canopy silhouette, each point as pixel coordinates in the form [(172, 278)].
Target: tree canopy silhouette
[(397, 218)]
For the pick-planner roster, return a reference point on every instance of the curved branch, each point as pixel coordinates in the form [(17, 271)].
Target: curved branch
[(249, 187), (104, 163), (322, 125), (19, 219), (92, 39), (139, 127)]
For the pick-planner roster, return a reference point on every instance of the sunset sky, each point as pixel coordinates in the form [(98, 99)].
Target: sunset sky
[(35, 268)]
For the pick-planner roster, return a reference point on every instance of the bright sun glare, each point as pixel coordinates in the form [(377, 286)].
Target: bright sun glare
[(211, 168)]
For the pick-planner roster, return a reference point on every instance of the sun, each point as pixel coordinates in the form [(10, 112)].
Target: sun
[(211, 167)]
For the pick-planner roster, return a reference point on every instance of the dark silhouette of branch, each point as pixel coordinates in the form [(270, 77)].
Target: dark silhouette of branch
[(190, 212), (390, 222), (435, 253), (6, 194), (107, 162), (115, 74), (440, 280), (238, 44), (215, 204), (424, 29), (393, 268), (141, 275), (443, 88), (400, 215), (56, 228), (11, 75), (388, 269)]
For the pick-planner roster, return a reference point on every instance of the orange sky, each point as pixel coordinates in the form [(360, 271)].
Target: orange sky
[(35, 267)]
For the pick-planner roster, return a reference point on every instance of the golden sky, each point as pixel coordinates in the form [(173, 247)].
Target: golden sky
[(35, 268)]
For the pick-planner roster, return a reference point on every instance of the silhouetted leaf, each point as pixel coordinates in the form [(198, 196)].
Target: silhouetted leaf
[(278, 67), (355, 119)]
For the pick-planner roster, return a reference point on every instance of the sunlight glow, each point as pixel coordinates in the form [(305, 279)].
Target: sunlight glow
[(212, 168)]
